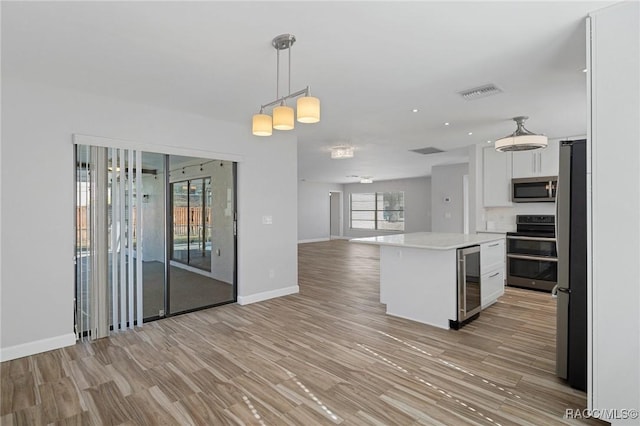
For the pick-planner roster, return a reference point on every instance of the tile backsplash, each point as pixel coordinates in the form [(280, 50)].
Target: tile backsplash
[(504, 218)]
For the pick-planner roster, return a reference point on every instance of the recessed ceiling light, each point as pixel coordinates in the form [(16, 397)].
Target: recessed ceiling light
[(584, 70), (470, 133), (415, 110), (446, 124), (488, 141)]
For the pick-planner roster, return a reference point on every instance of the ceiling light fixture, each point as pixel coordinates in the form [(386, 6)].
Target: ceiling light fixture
[(415, 110), (446, 124), (341, 152), (366, 179), (308, 107), (521, 140)]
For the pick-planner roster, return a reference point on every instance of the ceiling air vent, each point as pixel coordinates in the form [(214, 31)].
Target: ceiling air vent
[(480, 92), (427, 150)]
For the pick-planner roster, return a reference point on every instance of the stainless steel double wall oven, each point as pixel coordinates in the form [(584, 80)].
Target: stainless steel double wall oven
[(532, 260)]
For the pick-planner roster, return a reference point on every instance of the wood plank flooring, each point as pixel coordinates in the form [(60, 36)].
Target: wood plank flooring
[(329, 355)]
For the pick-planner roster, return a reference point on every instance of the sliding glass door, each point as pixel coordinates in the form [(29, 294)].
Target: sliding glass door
[(155, 236), (202, 227)]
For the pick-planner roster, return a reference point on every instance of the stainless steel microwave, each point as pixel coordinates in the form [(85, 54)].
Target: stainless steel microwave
[(534, 189)]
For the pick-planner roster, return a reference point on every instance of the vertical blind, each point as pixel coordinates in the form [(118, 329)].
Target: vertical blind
[(108, 240)]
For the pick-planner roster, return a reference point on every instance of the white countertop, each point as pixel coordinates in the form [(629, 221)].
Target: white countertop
[(430, 240)]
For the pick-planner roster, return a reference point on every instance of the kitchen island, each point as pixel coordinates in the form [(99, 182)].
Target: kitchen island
[(418, 273)]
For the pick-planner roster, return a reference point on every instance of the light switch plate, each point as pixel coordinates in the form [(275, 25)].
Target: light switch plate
[(267, 220)]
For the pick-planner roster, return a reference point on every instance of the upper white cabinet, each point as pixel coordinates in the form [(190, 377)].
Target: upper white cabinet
[(539, 162), (496, 174)]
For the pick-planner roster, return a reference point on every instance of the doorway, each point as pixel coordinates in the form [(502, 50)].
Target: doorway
[(335, 214)]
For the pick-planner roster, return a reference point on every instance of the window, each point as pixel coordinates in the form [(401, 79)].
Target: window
[(377, 210)]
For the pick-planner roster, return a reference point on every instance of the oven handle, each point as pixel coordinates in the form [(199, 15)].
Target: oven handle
[(542, 258), (515, 237)]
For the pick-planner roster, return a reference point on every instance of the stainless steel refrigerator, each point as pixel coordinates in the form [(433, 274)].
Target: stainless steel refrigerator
[(571, 240)]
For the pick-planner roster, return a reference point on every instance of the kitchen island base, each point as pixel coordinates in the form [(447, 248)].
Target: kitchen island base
[(419, 274), (419, 284)]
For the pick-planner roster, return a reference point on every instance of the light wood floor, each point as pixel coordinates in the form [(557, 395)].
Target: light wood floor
[(328, 355)]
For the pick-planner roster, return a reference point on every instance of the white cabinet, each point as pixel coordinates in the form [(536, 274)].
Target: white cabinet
[(492, 287), (492, 271), (496, 174), (539, 162), (491, 255)]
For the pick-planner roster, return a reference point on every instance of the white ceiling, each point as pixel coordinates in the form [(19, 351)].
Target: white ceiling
[(370, 63)]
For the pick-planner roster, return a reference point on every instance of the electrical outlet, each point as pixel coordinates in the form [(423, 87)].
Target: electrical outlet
[(272, 273), (161, 313)]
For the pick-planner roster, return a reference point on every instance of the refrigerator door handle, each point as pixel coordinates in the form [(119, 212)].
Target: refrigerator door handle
[(555, 222), (564, 290)]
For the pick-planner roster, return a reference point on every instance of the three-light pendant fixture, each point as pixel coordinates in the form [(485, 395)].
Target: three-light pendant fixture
[(308, 107)]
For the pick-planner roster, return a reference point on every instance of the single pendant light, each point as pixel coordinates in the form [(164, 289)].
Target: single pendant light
[(522, 139), (262, 124), (283, 117), (308, 109)]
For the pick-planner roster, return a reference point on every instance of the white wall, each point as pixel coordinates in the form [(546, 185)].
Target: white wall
[(446, 182), (38, 123), (314, 210), (417, 204), (615, 218)]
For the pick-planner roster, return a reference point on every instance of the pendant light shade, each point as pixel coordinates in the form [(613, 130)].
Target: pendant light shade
[(521, 143), (283, 118), (521, 140), (262, 125), (308, 109)]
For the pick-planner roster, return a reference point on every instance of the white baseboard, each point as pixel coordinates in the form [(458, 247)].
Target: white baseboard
[(340, 237), (313, 240), (32, 348), (266, 295)]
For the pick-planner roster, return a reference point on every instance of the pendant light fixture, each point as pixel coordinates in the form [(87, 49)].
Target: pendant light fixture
[(283, 116), (522, 139)]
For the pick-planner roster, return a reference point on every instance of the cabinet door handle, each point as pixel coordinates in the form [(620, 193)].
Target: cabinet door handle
[(494, 245), (494, 275)]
